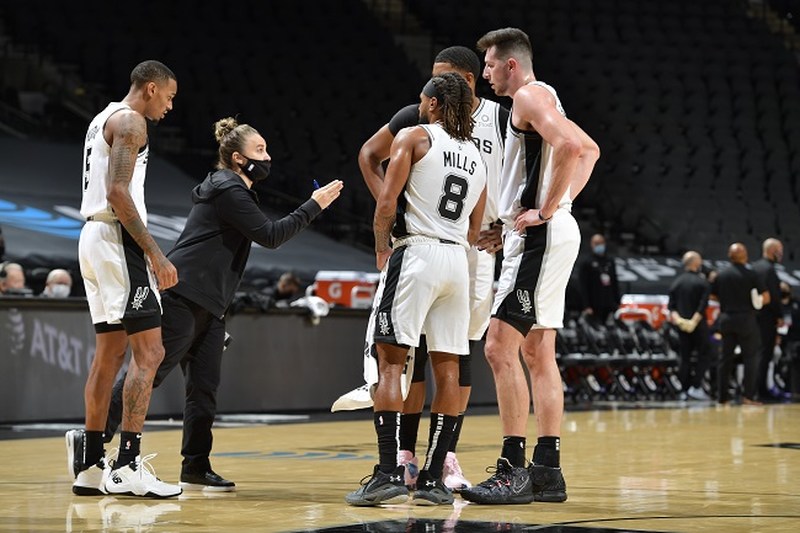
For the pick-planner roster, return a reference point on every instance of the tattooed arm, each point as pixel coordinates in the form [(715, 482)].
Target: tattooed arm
[(127, 132)]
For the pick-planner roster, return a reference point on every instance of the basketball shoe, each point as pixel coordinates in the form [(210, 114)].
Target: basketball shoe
[(407, 459), (548, 484), (139, 479), (380, 488), (75, 451), (452, 477), (508, 484), (92, 481), (431, 491)]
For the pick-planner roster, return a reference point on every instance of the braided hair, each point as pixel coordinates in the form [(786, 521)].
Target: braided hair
[(455, 100)]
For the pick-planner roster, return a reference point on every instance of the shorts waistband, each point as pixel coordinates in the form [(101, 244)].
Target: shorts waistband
[(420, 239), (103, 217)]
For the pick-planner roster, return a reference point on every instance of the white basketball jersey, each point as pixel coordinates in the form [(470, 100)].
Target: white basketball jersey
[(488, 137), (528, 170), (96, 154), (442, 189)]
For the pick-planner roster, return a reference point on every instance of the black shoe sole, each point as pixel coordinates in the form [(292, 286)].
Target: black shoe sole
[(516, 500), (550, 496), (87, 491)]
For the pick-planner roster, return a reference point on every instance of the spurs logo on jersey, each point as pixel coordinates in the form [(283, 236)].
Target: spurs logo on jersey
[(139, 297), (96, 154)]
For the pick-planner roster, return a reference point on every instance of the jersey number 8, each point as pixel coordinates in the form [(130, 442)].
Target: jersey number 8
[(451, 203)]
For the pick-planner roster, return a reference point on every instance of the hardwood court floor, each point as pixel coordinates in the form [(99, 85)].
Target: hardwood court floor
[(696, 468)]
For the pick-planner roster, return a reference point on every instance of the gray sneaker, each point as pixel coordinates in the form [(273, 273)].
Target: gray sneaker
[(431, 491), (380, 488)]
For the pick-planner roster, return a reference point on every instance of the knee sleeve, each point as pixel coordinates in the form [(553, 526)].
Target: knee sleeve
[(465, 371), (420, 358)]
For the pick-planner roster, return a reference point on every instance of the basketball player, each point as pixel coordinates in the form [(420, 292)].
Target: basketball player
[(488, 135), (437, 179), (548, 160), (211, 254), (118, 258)]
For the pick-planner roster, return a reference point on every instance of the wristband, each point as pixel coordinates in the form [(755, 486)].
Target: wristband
[(544, 219)]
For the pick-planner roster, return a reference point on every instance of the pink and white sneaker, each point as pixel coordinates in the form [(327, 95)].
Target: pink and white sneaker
[(452, 476), (407, 459)]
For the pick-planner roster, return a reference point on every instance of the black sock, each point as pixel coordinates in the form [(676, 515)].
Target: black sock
[(439, 437), (409, 429), (93, 448), (456, 434), (547, 452), (129, 445), (514, 450), (387, 425)]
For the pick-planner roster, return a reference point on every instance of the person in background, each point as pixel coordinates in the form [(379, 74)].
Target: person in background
[(688, 299), (12, 280), (58, 284), (770, 317), (740, 293), (598, 279)]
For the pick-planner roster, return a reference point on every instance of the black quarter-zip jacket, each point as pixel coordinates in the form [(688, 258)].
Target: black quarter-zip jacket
[(212, 251)]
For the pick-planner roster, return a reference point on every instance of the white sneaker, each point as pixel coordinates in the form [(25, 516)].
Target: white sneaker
[(452, 476), (75, 451), (407, 459), (92, 481), (139, 479), (696, 393), (360, 398)]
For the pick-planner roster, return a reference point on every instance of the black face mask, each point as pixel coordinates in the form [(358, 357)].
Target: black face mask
[(256, 170)]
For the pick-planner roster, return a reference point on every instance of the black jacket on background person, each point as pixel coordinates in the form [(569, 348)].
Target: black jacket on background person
[(599, 286), (689, 295), (221, 226), (765, 270)]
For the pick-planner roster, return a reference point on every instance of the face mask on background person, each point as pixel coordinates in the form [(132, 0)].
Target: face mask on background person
[(59, 290), (599, 249)]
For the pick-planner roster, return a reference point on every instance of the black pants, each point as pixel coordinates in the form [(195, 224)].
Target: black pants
[(696, 341), (193, 338), (768, 327), (738, 329)]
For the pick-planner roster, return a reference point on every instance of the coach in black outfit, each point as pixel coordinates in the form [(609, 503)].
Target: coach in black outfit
[(598, 281), (740, 293), (770, 316), (688, 299), (211, 255)]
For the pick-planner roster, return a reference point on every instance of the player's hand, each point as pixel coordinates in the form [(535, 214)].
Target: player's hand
[(165, 272), (529, 217), (382, 257), (326, 194), (491, 240)]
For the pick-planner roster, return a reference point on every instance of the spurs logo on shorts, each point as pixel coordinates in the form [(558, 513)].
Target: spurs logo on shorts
[(524, 298), (140, 297), (383, 323)]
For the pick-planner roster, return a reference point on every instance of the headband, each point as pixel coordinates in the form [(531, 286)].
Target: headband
[(431, 91)]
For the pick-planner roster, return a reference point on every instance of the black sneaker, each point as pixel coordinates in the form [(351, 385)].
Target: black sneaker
[(431, 491), (380, 488), (75, 448), (548, 484), (208, 480), (508, 484)]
